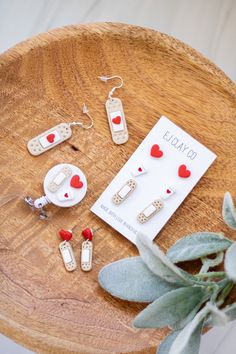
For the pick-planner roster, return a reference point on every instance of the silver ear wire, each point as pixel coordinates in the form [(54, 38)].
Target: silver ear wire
[(106, 78)]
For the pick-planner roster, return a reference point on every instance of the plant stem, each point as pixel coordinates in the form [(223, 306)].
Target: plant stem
[(225, 292), (211, 275)]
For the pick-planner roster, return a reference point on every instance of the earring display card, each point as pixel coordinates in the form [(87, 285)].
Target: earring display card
[(161, 181)]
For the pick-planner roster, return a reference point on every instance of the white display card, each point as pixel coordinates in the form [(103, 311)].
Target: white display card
[(161, 178)]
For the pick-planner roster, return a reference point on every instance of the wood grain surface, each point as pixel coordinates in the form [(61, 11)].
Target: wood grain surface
[(43, 82)]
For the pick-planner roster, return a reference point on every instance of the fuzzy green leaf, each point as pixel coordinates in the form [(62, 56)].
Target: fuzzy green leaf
[(197, 245), (230, 313), (218, 317), (230, 262), (171, 307), (228, 211), (183, 322), (130, 279), (159, 264), (188, 340), (167, 343)]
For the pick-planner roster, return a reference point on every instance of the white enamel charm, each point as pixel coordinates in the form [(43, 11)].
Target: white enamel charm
[(138, 170)]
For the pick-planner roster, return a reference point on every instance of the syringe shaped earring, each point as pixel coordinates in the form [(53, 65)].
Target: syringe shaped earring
[(115, 113)]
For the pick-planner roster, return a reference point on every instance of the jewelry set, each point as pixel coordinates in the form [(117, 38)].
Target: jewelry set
[(65, 185)]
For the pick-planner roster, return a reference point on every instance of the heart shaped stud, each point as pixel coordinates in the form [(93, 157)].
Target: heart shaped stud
[(156, 151), (168, 191), (65, 235), (50, 138), (75, 182), (88, 233), (183, 172), (140, 169), (116, 120)]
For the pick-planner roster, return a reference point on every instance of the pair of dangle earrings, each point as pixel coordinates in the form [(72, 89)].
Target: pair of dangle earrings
[(63, 131), (67, 252)]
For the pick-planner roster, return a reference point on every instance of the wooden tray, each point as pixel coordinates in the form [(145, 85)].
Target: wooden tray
[(44, 81)]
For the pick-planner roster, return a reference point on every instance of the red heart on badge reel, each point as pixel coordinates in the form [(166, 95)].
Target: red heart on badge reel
[(75, 182)]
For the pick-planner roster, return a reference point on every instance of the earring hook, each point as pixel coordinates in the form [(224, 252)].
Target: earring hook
[(106, 78), (85, 110)]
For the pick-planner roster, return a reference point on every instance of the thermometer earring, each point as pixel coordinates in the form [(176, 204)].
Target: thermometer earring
[(65, 185), (56, 135), (115, 113)]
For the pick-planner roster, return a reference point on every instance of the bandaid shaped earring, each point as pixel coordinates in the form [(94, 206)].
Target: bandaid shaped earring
[(153, 208), (66, 250), (55, 136), (115, 114), (124, 192)]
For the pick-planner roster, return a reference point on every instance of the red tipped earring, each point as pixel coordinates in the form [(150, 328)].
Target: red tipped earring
[(66, 250), (87, 249)]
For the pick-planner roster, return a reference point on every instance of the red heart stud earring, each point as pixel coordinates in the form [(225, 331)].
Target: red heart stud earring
[(156, 151), (183, 172), (87, 249), (66, 250)]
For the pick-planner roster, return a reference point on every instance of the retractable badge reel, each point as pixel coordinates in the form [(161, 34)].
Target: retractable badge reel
[(56, 135), (65, 185), (115, 113)]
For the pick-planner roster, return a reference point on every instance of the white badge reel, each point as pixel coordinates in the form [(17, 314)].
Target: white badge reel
[(65, 185)]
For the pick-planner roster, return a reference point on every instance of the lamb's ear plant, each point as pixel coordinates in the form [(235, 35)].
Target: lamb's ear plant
[(186, 303)]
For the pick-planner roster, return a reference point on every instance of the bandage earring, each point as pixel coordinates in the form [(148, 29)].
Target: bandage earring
[(124, 192), (154, 207), (115, 113), (56, 135)]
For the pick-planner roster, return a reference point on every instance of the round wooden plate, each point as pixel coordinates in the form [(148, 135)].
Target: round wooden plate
[(43, 82)]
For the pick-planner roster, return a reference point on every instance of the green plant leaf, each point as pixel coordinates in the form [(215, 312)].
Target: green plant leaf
[(130, 279), (159, 264), (188, 340), (171, 307), (183, 322), (230, 262), (197, 245), (230, 313), (167, 342), (218, 317), (228, 211)]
